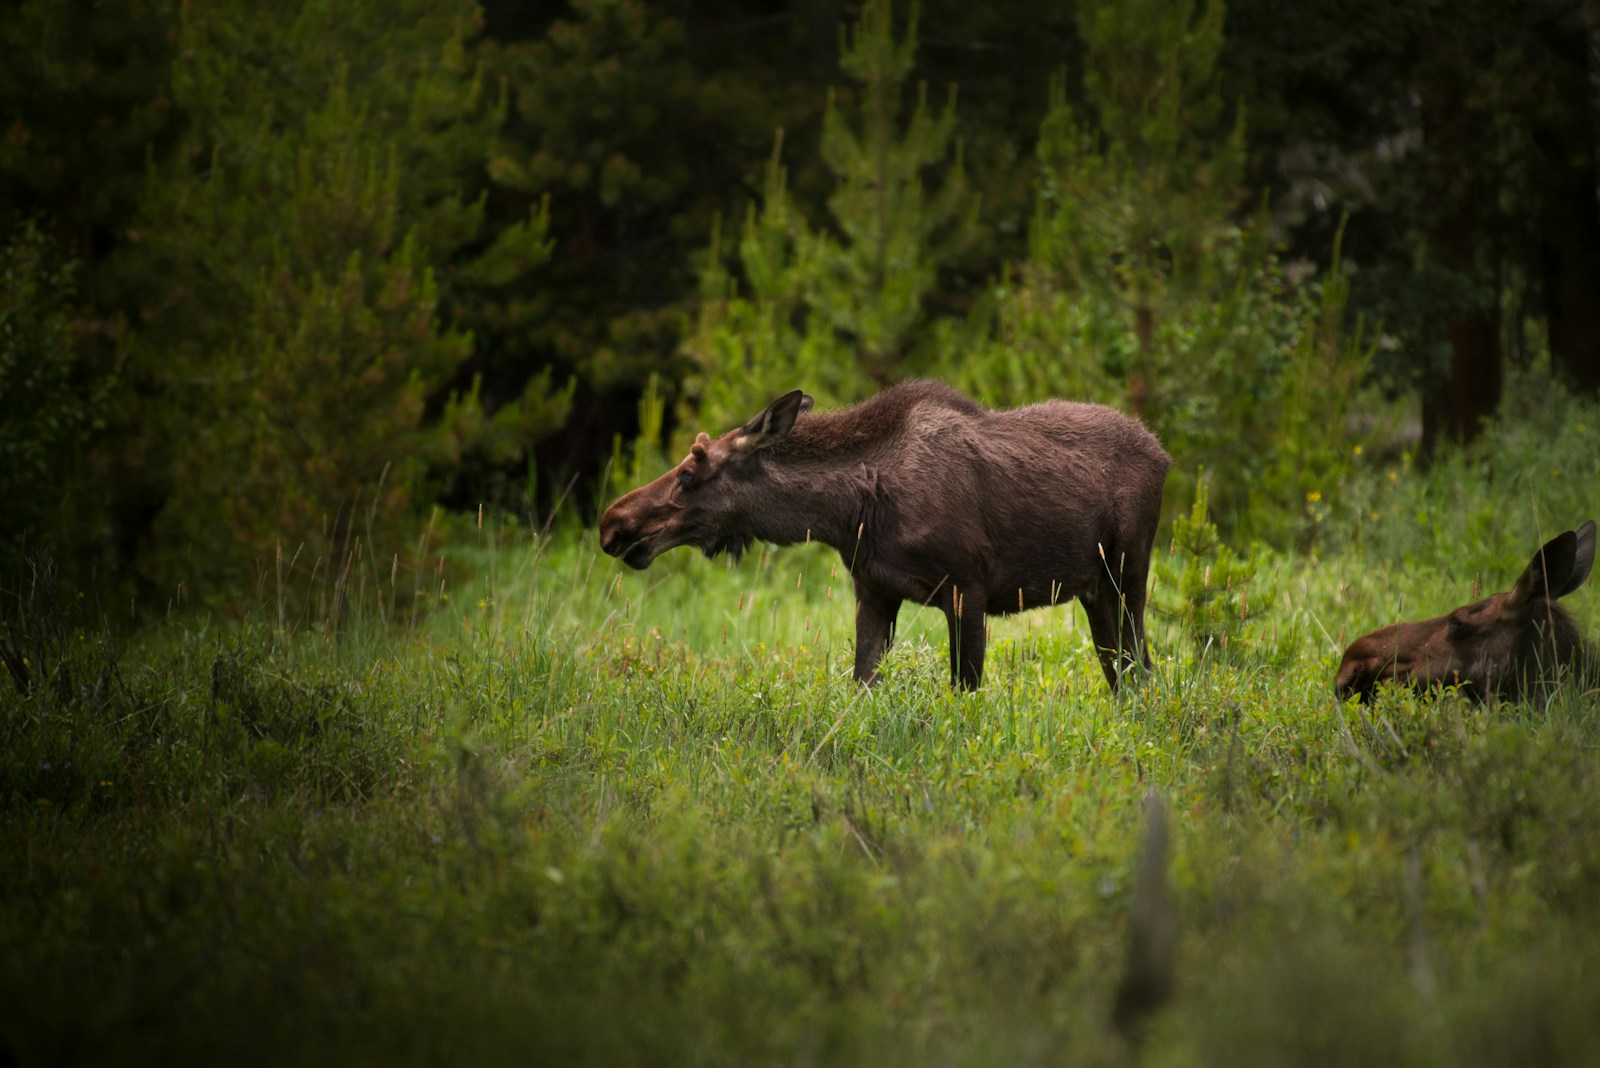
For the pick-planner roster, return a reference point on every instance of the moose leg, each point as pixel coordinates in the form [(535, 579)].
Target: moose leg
[(1135, 585), (1116, 617), (1102, 611), (875, 617), (964, 612)]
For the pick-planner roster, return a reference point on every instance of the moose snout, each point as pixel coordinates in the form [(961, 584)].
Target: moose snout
[(1355, 677), (622, 535), (615, 535)]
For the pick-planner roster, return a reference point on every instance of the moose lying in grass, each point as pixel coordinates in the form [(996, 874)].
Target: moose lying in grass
[(930, 498), (1502, 645)]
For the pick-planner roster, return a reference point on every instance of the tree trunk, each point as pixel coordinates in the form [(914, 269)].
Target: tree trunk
[(1570, 250), (1455, 405), (1569, 222)]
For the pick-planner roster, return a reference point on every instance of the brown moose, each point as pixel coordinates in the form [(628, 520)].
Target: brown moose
[(928, 497), (1500, 646)]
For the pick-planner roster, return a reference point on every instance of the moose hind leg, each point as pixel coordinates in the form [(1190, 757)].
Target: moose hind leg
[(1135, 587), (1102, 613), (1116, 617)]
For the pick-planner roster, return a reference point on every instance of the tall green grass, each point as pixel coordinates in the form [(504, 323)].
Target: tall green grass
[(574, 813)]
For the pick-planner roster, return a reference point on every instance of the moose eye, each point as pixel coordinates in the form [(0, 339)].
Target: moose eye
[(1452, 627), (685, 479)]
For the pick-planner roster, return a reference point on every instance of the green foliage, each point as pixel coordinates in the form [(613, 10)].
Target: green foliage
[(84, 99), (893, 237), (300, 334), (306, 238), (841, 309), (593, 98), (744, 343), (51, 404), (644, 457), (1463, 171), (1141, 289), (1306, 429), (1483, 509), (1205, 586), (1136, 187), (1265, 375)]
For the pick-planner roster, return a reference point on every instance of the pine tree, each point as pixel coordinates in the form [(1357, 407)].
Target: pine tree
[(299, 332), (1138, 189), (841, 309), (892, 237), (1144, 289), (84, 103), (1204, 585), (635, 119)]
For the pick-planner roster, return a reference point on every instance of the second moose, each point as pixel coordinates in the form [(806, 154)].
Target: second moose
[(930, 498), (1502, 645)]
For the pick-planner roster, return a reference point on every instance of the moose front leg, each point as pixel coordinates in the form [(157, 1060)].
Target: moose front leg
[(964, 612), (875, 618)]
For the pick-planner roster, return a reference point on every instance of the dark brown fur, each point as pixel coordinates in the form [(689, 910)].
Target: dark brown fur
[(929, 498), (1501, 645)]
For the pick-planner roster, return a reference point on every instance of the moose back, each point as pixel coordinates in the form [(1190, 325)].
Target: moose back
[(928, 497)]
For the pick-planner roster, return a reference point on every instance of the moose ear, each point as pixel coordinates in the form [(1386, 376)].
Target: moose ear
[(1582, 560), (1558, 568), (776, 420)]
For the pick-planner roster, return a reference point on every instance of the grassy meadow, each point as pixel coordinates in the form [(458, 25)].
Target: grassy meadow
[(573, 814)]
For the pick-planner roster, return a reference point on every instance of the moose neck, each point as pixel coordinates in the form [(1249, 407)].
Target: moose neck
[(820, 486), (1557, 644)]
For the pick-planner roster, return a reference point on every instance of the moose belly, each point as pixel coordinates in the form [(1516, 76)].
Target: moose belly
[(1019, 597)]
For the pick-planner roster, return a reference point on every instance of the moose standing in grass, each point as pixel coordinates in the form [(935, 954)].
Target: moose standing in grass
[(930, 498), (1502, 645)]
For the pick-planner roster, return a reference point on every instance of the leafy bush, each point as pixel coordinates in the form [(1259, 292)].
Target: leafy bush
[(1485, 507), (1257, 381)]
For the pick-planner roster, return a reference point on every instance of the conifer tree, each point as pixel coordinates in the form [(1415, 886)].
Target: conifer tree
[(636, 119), (1144, 289), (1139, 183), (298, 239), (84, 102), (891, 236), (841, 308)]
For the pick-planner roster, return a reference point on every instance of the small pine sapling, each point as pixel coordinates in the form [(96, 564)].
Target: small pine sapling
[(1205, 585)]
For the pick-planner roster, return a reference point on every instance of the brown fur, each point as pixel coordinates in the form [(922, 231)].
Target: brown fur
[(1502, 645), (930, 498)]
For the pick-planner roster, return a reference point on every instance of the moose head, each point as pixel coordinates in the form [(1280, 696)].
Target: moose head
[(709, 500)]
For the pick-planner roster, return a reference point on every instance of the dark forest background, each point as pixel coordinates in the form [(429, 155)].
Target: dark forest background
[(279, 279)]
